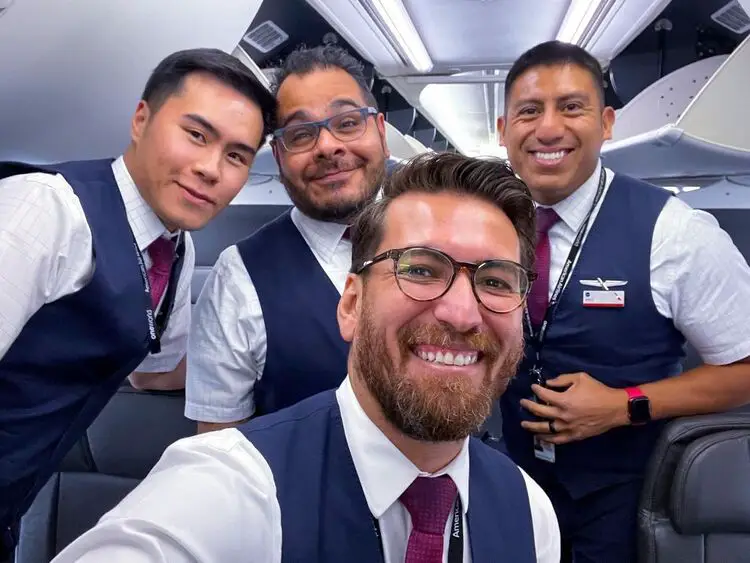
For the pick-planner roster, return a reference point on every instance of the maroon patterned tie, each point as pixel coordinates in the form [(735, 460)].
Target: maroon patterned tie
[(162, 253), (539, 294), (429, 501)]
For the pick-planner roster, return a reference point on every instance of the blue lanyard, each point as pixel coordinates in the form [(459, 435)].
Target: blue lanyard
[(158, 324), (537, 339)]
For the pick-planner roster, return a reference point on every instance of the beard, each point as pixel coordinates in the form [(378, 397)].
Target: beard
[(338, 209), (432, 409)]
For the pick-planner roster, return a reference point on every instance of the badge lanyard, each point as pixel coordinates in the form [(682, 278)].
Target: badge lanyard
[(156, 326), (537, 339), (455, 544)]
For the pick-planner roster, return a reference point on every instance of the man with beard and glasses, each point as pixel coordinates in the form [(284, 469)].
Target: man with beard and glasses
[(264, 334), (381, 470)]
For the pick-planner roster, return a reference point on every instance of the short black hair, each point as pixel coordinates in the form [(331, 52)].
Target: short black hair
[(556, 53), (305, 60), (168, 78), (489, 179)]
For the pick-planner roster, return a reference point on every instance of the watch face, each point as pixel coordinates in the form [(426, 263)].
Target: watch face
[(640, 410)]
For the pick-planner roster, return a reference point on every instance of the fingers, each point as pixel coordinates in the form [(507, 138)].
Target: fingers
[(540, 410)]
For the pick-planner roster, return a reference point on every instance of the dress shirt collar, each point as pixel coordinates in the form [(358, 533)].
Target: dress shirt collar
[(321, 236), (144, 223), (573, 209), (375, 456)]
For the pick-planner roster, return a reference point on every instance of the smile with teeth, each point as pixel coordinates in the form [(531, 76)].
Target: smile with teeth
[(449, 357), (550, 156)]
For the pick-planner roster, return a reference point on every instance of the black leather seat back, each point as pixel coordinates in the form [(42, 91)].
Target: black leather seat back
[(695, 506), (120, 448)]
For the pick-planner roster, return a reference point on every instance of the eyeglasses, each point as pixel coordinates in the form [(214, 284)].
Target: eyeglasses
[(426, 274), (346, 127)]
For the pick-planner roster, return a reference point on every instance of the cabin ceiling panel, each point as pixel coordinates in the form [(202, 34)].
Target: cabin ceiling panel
[(461, 33), (458, 110), (73, 72)]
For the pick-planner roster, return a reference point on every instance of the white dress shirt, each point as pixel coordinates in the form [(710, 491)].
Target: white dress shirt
[(46, 254), (699, 278), (227, 343), (211, 498)]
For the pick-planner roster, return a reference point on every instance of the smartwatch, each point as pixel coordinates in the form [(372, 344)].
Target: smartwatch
[(639, 406)]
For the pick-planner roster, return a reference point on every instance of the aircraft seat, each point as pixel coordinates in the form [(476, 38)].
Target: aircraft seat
[(120, 448), (695, 504)]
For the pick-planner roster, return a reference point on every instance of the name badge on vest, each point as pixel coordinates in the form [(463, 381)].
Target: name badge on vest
[(605, 296), (544, 450)]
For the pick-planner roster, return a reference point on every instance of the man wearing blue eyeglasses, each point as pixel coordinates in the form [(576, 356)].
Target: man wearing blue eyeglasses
[(264, 332)]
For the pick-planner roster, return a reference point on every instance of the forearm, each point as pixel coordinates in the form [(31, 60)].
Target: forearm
[(705, 389), (164, 381)]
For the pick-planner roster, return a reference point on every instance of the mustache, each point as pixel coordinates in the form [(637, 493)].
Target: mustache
[(325, 167), (445, 336)]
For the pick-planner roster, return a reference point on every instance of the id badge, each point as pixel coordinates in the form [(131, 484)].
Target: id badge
[(544, 450)]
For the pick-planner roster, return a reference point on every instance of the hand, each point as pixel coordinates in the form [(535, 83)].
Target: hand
[(586, 408)]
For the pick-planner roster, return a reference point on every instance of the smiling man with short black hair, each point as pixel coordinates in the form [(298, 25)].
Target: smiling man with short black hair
[(627, 273)]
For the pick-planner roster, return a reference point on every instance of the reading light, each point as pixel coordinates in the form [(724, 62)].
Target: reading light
[(577, 20), (395, 23)]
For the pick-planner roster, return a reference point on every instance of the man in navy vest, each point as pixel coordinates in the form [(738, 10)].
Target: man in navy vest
[(97, 264), (626, 274), (264, 334), (381, 469)]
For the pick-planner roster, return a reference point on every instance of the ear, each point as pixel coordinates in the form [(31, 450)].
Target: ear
[(380, 122), (501, 130), (349, 306), (608, 123), (140, 121)]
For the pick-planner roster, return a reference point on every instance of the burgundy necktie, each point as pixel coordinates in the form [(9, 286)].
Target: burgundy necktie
[(162, 253), (347, 234), (429, 501), (539, 294)]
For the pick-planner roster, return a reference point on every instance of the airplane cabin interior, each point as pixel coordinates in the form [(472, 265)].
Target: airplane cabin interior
[(677, 73)]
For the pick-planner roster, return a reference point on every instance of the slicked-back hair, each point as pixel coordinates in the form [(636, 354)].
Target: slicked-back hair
[(491, 180), (305, 60), (555, 53), (168, 79)]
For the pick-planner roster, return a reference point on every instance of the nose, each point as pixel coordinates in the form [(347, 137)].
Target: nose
[(459, 307), (328, 145), (551, 127), (208, 167)]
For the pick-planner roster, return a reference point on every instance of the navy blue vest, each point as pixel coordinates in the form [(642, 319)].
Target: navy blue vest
[(305, 352), (619, 347), (324, 514), (71, 356)]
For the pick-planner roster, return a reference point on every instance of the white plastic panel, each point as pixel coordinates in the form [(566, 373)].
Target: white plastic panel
[(397, 144), (623, 23), (663, 102), (670, 152), (721, 113), (74, 71), (458, 110), (725, 194), (416, 144), (470, 32), (711, 138)]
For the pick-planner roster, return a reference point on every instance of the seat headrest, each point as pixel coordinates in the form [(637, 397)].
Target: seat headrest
[(711, 487), (134, 429)]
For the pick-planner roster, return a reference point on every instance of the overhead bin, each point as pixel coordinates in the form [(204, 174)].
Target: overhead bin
[(694, 122)]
